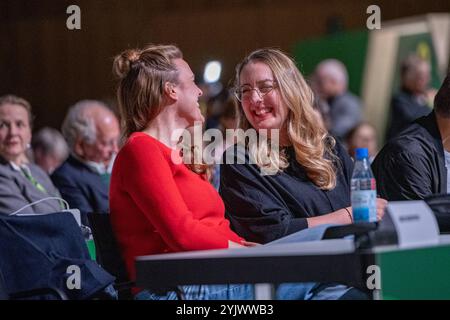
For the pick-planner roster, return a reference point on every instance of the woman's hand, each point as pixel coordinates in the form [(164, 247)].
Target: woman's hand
[(242, 244), (249, 244), (381, 208), (234, 245)]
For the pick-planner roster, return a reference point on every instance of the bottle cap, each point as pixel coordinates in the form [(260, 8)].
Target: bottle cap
[(361, 153)]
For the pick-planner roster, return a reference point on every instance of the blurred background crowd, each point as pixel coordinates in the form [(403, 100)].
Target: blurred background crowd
[(368, 84)]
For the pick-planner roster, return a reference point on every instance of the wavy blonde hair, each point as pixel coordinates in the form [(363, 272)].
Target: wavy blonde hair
[(312, 145)]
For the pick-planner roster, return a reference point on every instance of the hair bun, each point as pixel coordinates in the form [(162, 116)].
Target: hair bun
[(122, 62)]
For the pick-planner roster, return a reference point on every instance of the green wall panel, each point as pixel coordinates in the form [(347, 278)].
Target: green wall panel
[(348, 47)]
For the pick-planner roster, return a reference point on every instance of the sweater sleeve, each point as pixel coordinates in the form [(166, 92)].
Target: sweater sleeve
[(256, 211), (149, 182)]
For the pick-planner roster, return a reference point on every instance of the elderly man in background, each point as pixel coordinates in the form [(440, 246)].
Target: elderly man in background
[(92, 132), (50, 149), (331, 83)]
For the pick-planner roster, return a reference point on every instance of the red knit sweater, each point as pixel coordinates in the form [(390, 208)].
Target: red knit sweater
[(158, 206)]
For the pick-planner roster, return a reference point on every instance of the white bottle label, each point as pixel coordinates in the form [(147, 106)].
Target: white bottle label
[(364, 205)]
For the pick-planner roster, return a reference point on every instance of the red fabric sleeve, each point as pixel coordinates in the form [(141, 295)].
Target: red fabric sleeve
[(149, 181)]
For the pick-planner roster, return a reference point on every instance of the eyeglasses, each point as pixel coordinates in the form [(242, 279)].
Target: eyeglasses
[(245, 92)]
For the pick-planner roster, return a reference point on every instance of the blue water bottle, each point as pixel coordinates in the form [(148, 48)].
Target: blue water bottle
[(364, 191)]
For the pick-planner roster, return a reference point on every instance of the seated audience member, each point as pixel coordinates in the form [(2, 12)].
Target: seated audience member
[(331, 83), (411, 102), (416, 163), (50, 149), (322, 110), (363, 135), (158, 203), (21, 182), (307, 181), (92, 132)]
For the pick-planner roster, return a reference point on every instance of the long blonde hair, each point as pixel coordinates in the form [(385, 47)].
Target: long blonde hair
[(312, 145)]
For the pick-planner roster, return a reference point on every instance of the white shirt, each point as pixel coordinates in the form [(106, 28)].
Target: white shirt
[(98, 167)]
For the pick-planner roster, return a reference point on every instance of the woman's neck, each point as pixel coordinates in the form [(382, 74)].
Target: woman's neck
[(167, 128)]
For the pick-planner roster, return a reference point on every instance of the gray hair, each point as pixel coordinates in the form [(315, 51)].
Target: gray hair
[(79, 124), (335, 69), (50, 141)]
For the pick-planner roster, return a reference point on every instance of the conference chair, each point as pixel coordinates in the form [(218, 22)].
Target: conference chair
[(109, 257)]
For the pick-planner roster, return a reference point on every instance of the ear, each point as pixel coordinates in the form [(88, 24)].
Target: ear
[(170, 90), (79, 148)]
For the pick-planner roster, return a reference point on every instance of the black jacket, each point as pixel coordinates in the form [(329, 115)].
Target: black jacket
[(412, 165), (263, 208)]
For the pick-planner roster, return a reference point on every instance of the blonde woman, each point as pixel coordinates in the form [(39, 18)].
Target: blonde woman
[(21, 182), (306, 181)]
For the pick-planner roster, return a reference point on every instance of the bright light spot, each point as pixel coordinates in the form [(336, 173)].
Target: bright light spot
[(212, 71)]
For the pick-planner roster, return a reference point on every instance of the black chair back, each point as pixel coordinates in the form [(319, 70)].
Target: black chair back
[(108, 253), (109, 257), (107, 249)]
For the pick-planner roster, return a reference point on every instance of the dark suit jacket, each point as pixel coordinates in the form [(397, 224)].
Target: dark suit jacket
[(81, 187)]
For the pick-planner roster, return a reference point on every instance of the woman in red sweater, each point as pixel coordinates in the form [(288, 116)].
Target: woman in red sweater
[(158, 204)]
